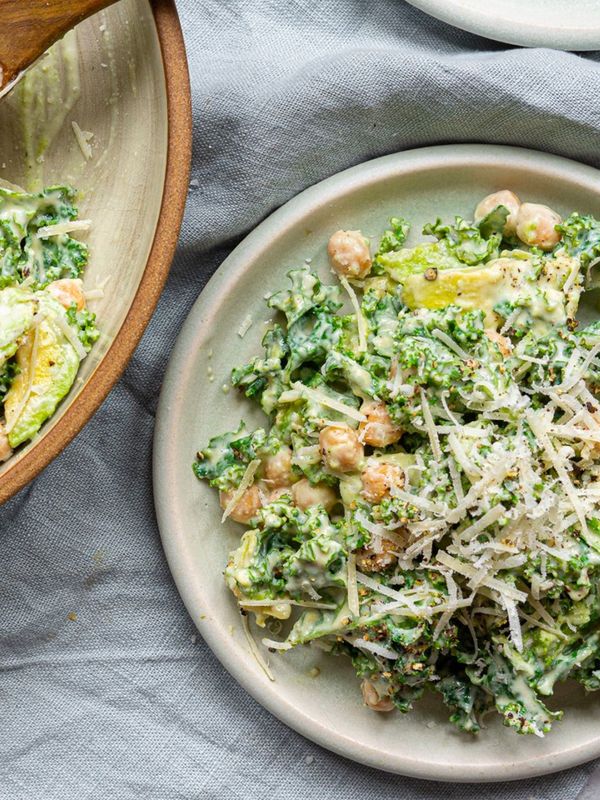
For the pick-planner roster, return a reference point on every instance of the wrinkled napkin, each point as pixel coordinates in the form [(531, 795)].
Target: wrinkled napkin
[(106, 691)]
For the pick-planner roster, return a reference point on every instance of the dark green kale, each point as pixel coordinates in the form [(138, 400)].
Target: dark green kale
[(227, 456), (85, 322), (580, 237), (466, 700), (261, 378), (465, 240), (8, 372), (306, 293), (395, 237), (23, 253)]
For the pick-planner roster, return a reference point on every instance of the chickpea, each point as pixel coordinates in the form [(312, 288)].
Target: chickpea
[(68, 291), (275, 494), (340, 448), (5, 448), (368, 560), (278, 468), (246, 507), (377, 479), (349, 254), (536, 226), (373, 699), (306, 495), (503, 342), (502, 198), (378, 430)]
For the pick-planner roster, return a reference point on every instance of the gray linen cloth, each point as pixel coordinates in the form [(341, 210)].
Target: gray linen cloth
[(125, 701)]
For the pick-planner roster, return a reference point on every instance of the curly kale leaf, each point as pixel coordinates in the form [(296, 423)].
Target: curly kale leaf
[(466, 240), (10, 254), (580, 237), (262, 377), (465, 700), (514, 698), (8, 372), (306, 293), (62, 257), (395, 237), (224, 461), (22, 253), (311, 337), (85, 322), (288, 552)]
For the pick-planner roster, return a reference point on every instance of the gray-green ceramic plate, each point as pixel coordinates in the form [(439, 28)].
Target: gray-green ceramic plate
[(418, 184), (529, 23)]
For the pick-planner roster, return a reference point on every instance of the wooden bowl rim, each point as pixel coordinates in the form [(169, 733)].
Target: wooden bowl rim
[(112, 365)]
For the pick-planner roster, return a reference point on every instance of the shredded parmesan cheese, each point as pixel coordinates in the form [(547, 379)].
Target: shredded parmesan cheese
[(513, 622), (470, 572), (299, 390), (245, 326), (83, 140), (360, 320), (353, 601), (374, 647), (430, 425), (492, 516), (46, 231), (537, 427), (70, 334), (247, 479), (254, 649), (450, 344), (271, 644)]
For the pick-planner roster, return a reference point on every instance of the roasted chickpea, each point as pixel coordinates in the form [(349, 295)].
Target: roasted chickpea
[(367, 560), (349, 254), (340, 448), (278, 468), (68, 291), (275, 494), (373, 699), (5, 448), (378, 430), (536, 226), (246, 507), (378, 478), (502, 198), (306, 495)]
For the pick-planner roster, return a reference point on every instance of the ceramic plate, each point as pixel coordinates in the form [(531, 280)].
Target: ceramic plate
[(418, 184), (122, 76), (530, 23)]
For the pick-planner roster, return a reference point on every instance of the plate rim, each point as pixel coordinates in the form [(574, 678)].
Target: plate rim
[(510, 31), (173, 533), (174, 195)]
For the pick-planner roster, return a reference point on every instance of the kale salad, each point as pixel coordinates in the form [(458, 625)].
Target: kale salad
[(425, 495), (45, 327)]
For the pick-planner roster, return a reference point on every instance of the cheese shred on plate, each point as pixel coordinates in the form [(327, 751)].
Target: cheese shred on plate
[(423, 494)]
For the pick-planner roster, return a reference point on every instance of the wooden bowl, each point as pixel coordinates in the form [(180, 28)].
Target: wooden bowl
[(130, 65)]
